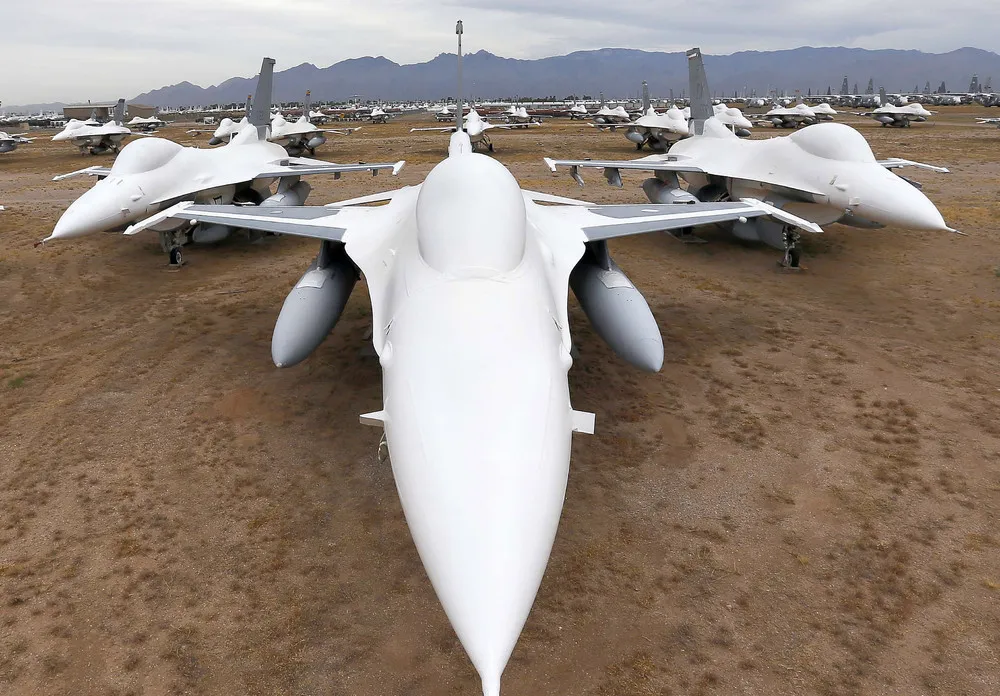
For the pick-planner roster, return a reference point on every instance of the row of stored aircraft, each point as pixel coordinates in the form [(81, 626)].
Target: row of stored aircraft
[(468, 276)]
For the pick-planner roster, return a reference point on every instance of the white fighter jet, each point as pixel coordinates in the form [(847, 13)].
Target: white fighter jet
[(98, 139), (468, 277), (607, 115), (378, 115), (9, 143), (652, 129), (301, 136), (578, 112), (517, 115), (825, 173), (790, 116), (476, 127), (979, 121), (898, 116), (823, 111), (146, 125), (152, 174), (731, 117)]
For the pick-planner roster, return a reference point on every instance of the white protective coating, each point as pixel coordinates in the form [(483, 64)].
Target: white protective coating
[(82, 134), (152, 173), (830, 162), (468, 279), (476, 411)]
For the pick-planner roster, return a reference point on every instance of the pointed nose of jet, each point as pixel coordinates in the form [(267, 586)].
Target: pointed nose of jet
[(97, 210), (901, 204)]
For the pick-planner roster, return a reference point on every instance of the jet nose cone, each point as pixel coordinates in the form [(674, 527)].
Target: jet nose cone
[(904, 205), (96, 210)]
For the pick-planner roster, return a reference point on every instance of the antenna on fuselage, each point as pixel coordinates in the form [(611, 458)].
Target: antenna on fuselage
[(458, 100)]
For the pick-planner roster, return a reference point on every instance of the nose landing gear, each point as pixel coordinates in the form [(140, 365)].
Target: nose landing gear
[(793, 252)]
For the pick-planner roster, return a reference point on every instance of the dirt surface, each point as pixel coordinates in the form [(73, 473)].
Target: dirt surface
[(804, 500)]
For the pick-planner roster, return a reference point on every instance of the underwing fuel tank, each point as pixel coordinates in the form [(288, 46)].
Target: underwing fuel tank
[(616, 309), (314, 305), (289, 193), (666, 192), (210, 234), (635, 136), (315, 141)]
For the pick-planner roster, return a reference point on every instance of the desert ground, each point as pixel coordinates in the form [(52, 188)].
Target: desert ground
[(805, 500)]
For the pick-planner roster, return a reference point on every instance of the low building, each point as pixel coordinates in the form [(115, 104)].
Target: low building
[(104, 110)]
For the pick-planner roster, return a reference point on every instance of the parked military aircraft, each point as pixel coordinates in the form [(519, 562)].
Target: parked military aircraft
[(152, 174), (825, 173), (657, 131), (790, 116), (96, 139), (9, 143), (301, 136), (146, 125), (468, 278), (476, 127), (898, 116)]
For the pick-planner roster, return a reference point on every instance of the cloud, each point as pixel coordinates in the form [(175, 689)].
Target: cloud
[(65, 50)]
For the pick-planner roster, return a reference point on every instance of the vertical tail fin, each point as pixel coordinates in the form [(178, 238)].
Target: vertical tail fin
[(645, 97), (603, 103), (701, 101), (249, 104), (882, 101), (119, 116), (308, 104), (260, 110), (458, 98)]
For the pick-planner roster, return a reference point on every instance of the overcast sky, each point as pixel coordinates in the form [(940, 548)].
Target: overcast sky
[(68, 50)]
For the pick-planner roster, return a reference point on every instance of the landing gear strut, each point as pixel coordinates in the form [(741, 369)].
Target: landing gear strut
[(793, 253)]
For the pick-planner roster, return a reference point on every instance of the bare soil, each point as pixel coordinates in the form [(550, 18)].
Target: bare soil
[(805, 500)]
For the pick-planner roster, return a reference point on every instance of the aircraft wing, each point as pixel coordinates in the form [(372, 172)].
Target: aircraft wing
[(304, 221), (301, 166), (339, 131), (602, 222), (896, 162), (89, 171), (612, 166), (439, 129), (509, 126)]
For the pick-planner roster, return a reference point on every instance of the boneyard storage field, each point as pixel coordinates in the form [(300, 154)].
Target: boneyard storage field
[(805, 500)]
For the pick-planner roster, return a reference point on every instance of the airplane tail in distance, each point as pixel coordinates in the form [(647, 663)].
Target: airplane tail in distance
[(119, 116), (882, 101), (701, 101), (308, 104), (260, 111), (645, 97), (249, 103)]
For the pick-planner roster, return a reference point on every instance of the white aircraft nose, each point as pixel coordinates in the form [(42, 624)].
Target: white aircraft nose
[(900, 204), (480, 445), (95, 211)]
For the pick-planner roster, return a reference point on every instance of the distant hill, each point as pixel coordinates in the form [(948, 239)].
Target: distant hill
[(617, 72)]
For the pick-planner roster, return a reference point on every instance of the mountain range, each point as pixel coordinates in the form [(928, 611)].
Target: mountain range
[(617, 72)]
